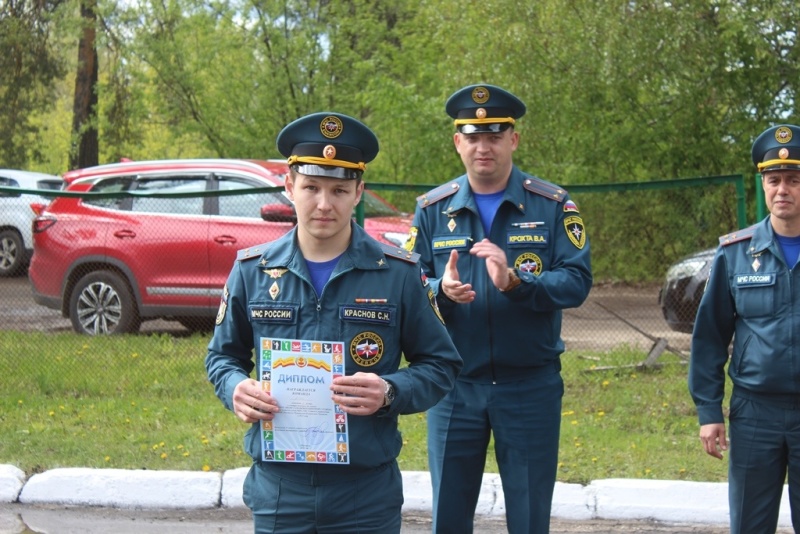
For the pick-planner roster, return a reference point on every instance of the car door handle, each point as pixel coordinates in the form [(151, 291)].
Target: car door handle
[(125, 234), (225, 239)]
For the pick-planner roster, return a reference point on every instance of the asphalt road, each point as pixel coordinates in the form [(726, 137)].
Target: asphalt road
[(26, 519)]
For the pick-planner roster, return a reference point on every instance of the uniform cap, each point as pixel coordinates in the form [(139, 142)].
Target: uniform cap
[(328, 144), (777, 148), (484, 108)]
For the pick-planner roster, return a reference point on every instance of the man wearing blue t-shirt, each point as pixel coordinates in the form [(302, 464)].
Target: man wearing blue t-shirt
[(753, 298), (505, 252)]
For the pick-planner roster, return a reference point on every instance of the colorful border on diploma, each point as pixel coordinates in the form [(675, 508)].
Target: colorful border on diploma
[(281, 351)]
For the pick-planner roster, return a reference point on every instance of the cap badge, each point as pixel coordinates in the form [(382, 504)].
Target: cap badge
[(331, 127), (329, 151), (783, 135), (783, 153), (480, 95), (480, 113)]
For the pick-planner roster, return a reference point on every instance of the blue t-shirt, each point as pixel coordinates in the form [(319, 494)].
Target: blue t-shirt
[(487, 207), (790, 247), (320, 272)]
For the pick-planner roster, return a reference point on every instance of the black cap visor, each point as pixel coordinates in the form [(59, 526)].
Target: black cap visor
[(495, 127), (327, 171)]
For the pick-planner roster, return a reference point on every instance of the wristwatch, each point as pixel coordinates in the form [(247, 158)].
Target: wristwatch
[(388, 393), (513, 280)]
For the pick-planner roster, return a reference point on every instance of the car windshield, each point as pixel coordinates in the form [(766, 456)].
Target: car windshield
[(51, 185)]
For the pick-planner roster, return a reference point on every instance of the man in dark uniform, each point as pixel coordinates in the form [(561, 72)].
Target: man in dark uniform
[(328, 280), (753, 298), (505, 252)]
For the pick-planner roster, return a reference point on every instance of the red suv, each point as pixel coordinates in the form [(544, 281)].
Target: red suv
[(134, 250)]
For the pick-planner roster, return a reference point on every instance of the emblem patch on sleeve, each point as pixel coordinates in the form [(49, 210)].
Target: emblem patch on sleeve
[(575, 230), (223, 305), (412, 239)]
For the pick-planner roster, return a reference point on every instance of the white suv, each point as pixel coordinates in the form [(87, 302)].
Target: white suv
[(16, 216)]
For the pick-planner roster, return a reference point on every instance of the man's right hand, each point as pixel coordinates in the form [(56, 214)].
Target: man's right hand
[(450, 284), (251, 404), (713, 439)]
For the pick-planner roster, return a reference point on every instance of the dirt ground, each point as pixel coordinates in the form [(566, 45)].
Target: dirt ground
[(612, 315), (27, 519)]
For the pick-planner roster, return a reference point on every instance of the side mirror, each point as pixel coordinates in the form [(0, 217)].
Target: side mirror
[(278, 213)]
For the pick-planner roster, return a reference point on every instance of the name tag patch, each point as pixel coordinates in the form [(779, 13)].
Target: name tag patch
[(274, 314), (762, 279), (450, 242), (368, 314), (522, 239)]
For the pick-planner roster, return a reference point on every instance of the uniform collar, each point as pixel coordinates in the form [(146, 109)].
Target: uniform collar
[(514, 193), (363, 252), (763, 237)]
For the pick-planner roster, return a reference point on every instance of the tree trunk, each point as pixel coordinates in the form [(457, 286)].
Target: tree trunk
[(85, 150)]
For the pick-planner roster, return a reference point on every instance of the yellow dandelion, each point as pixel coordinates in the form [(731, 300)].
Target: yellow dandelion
[(206, 468), (573, 422), (135, 355), (594, 459), (569, 412), (52, 413), (606, 383), (601, 413), (155, 446), (186, 454), (107, 458), (163, 455), (19, 401)]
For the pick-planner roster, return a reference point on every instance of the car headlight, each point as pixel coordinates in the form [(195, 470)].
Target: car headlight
[(685, 269), (397, 238)]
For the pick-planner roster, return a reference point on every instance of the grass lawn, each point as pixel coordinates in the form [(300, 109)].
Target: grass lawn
[(143, 402)]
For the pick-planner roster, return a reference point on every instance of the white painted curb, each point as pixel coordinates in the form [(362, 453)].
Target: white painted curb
[(621, 499)]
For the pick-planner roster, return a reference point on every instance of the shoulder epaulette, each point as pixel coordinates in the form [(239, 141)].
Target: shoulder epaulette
[(399, 253), (545, 189), (738, 235), (437, 194), (251, 252)]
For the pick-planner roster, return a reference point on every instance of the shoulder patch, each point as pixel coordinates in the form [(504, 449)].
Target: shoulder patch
[(738, 235), (251, 252), (545, 189), (437, 194), (399, 253)]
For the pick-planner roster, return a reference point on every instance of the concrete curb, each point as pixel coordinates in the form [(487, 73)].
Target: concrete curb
[(620, 499)]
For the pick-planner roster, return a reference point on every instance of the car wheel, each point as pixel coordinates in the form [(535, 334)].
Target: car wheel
[(102, 304), (11, 253)]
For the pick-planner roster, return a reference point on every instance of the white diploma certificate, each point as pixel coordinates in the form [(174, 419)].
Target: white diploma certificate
[(310, 427)]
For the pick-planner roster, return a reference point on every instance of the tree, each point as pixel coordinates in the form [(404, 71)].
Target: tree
[(29, 67)]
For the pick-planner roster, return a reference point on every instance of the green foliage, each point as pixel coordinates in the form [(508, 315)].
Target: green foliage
[(30, 65), (616, 91)]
